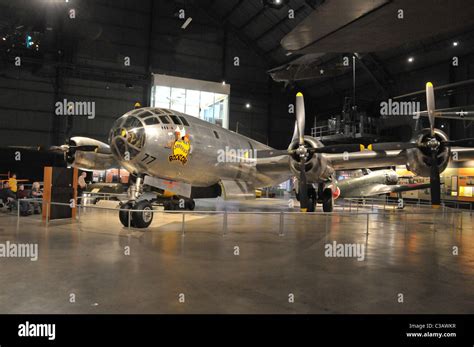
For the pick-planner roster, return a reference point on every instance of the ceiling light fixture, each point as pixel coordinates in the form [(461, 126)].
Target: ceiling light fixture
[(276, 4), (411, 59), (186, 23)]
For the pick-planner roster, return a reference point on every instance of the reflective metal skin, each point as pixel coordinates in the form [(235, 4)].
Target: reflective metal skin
[(178, 153), (374, 183), (148, 141), (177, 147)]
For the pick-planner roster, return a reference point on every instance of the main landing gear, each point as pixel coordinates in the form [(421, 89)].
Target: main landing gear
[(322, 195), (141, 203), (327, 200), (144, 216), (138, 219), (325, 197)]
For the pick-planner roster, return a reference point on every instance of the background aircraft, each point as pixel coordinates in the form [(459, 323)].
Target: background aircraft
[(373, 183)]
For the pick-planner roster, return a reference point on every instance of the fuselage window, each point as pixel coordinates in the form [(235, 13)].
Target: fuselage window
[(152, 121), (185, 122), (216, 134), (175, 119), (165, 120)]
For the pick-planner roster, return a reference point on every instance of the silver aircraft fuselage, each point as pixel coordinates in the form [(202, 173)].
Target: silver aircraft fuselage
[(373, 183), (175, 146)]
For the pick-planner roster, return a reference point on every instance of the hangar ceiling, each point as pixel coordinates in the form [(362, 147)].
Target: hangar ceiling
[(323, 31), (92, 50)]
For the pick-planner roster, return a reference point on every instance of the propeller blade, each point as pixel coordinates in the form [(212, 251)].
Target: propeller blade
[(58, 149), (85, 148), (430, 104), (460, 143), (300, 117), (435, 181), (302, 189), (295, 133), (33, 148), (388, 146)]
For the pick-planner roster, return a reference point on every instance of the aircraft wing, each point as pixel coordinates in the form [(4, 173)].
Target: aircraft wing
[(379, 189), (366, 159), (274, 168), (462, 153), (374, 25), (398, 188)]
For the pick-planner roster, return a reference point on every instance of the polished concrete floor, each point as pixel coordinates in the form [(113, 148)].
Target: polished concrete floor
[(409, 254)]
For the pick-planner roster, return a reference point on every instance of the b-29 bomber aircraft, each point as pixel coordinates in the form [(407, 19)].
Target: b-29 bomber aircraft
[(168, 150)]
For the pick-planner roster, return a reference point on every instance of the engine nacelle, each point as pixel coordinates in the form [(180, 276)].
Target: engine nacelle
[(99, 159), (419, 159), (317, 167)]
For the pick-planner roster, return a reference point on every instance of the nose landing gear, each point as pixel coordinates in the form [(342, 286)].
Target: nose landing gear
[(139, 219)]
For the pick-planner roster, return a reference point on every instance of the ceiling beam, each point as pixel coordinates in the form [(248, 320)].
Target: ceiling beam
[(281, 21), (240, 35), (251, 19), (232, 10)]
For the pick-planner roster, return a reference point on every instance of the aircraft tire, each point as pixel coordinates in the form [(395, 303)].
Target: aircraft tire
[(142, 219), (123, 215), (190, 204), (168, 205), (311, 205), (328, 201)]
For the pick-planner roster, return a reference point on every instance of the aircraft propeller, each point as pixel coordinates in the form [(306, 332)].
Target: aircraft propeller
[(57, 149), (302, 152), (432, 145)]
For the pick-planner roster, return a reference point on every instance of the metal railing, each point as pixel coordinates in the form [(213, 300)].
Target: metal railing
[(393, 203), (448, 215)]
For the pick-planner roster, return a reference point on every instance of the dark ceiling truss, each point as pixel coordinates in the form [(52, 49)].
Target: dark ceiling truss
[(226, 18), (280, 22), (252, 18), (238, 33), (383, 86), (232, 10)]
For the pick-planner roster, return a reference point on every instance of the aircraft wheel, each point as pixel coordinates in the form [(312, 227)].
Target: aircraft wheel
[(311, 205), (328, 201), (190, 204), (123, 215), (142, 219), (168, 205)]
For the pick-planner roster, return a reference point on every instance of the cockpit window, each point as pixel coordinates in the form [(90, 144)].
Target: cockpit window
[(136, 137), (165, 120), (128, 136), (157, 110), (152, 121), (185, 122), (175, 119), (143, 114), (132, 122)]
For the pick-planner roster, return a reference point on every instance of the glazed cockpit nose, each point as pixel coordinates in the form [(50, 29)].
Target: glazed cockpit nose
[(127, 137), (391, 177)]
